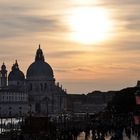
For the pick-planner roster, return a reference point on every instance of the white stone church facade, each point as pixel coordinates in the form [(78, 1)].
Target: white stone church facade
[(37, 93)]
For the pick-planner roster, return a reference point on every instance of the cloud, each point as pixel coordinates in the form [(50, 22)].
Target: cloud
[(126, 45), (61, 70), (25, 19), (24, 25), (119, 3), (83, 69), (64, 54), (133, 27), (125, 13)]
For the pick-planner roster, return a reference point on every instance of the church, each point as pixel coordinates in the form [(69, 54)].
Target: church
[(35, 93)]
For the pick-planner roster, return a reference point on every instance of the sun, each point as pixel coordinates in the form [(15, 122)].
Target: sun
[(89, 25)]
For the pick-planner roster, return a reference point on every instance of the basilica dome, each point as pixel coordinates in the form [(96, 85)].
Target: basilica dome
[(39, 68), (16, 74)]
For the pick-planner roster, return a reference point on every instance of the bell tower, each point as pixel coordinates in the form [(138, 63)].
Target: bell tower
[(3, 76)]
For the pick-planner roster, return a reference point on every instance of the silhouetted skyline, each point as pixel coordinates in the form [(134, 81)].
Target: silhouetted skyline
[(81, 64)]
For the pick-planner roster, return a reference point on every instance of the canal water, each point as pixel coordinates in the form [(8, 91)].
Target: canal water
[(82, 137), (16, 122)]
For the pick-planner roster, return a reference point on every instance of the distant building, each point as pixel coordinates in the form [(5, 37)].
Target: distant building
[(90, 103), (138, 84), (37, 93), (137, 109)]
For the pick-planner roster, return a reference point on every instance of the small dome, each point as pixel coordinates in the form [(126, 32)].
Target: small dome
[(39, 68), (16, 74)]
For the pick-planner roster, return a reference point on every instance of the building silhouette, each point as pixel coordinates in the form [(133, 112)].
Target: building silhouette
[(36, 93)]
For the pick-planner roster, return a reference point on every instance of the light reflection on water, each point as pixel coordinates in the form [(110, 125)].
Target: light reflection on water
[(82, 137), (10, 123), (9, 120)]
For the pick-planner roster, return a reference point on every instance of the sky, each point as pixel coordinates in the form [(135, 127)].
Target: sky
[(90, 44)]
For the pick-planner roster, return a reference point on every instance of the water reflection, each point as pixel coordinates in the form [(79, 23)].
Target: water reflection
[(8, 124)]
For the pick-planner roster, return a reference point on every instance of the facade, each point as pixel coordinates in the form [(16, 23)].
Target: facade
[(13, 103), (37, 93)]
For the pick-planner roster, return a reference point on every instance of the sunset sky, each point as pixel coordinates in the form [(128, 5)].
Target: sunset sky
[(90, 44)]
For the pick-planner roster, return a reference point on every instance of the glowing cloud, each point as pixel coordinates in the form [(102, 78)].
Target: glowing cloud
[(89, 25)]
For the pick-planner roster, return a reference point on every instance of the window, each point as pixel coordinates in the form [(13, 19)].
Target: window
[(37, 107), (18, 83), (10, 113), (41, 87), (10, 108), (45, 86), (51, 87), (20, 108), (20, 113)]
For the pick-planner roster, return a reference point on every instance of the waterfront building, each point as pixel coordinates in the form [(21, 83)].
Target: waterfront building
[(37, 93), (91, 103)]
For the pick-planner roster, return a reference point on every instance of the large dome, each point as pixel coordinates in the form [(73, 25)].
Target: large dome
[(16, 74), (39, 68)]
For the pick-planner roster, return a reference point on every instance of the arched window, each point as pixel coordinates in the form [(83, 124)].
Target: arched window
[(45, 86), (37, 107), (51, 87)]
